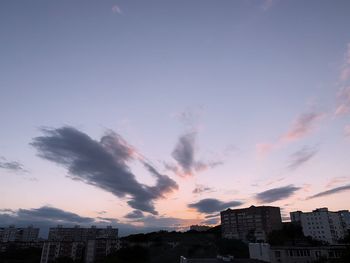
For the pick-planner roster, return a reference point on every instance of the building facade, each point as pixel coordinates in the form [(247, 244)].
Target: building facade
[(295, 254), (323, 225), (80, 244), (19, 234), (250, 224)]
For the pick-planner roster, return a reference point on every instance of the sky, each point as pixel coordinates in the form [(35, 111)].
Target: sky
[(159, 114)]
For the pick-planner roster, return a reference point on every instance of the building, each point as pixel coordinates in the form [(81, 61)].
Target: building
[(250, 224), (218, 259), (199, 228), (295, 254), (19, 234), (80, 244), (323, 225)]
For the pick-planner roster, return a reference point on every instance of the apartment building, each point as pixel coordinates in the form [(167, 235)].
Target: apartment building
[(323, 225), (80, 244), (295, 254), (19, 234), (250, 224)]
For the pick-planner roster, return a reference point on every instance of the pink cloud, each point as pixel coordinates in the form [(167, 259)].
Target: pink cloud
[(343, 101), (267, 4), (345, 72), (347, 130), (302, 126), (263, 149)]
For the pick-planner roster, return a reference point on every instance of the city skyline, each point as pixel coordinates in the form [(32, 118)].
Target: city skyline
[(160, 114)]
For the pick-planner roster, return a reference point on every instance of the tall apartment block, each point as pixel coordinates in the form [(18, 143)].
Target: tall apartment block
[(19, 234), (322, 224), (80, 244), (250, 224)]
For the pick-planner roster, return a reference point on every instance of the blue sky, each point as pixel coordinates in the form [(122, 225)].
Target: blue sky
[(252, 95)]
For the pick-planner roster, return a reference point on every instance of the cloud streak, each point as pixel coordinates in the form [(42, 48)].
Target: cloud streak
[(276, 194), (345, 71), (301, 157), (211, 205), (200, 189), (302, 126), (103, 164), (11, 165), (331, 191)]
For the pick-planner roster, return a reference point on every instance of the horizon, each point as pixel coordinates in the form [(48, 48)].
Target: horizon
[(160, 114)]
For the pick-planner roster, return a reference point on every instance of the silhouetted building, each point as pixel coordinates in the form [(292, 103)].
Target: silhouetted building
[(218, 259), (199, 228), (19, 234), (295, 254), (250, 224), (80, 244), (323, 225)]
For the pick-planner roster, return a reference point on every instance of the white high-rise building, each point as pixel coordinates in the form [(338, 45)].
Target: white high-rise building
[(321, 224)]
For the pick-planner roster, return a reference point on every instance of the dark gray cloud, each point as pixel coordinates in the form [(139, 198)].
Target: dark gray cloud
[(184, 152), (52, 214), (211, 221), (301, 156), (135, 214), (185, 156), (331, 191), (211, 205), (212, 216), (103, 164), (202, 189), (11, 165), (46, 217), (276, 194)]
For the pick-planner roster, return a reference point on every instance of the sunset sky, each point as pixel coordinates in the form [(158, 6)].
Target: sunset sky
[(158, 114)]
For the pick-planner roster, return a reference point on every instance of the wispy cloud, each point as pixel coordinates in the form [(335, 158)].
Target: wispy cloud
[(302, 126), (103, 164), (343, 101), (347, 130), (345, 71), (116, 9), (267, 4), (200, 189), (185, 156), (336, 180), (13, 166), (301, 156), (264, 148), (276, 194), (331, 191), (211, 205)]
